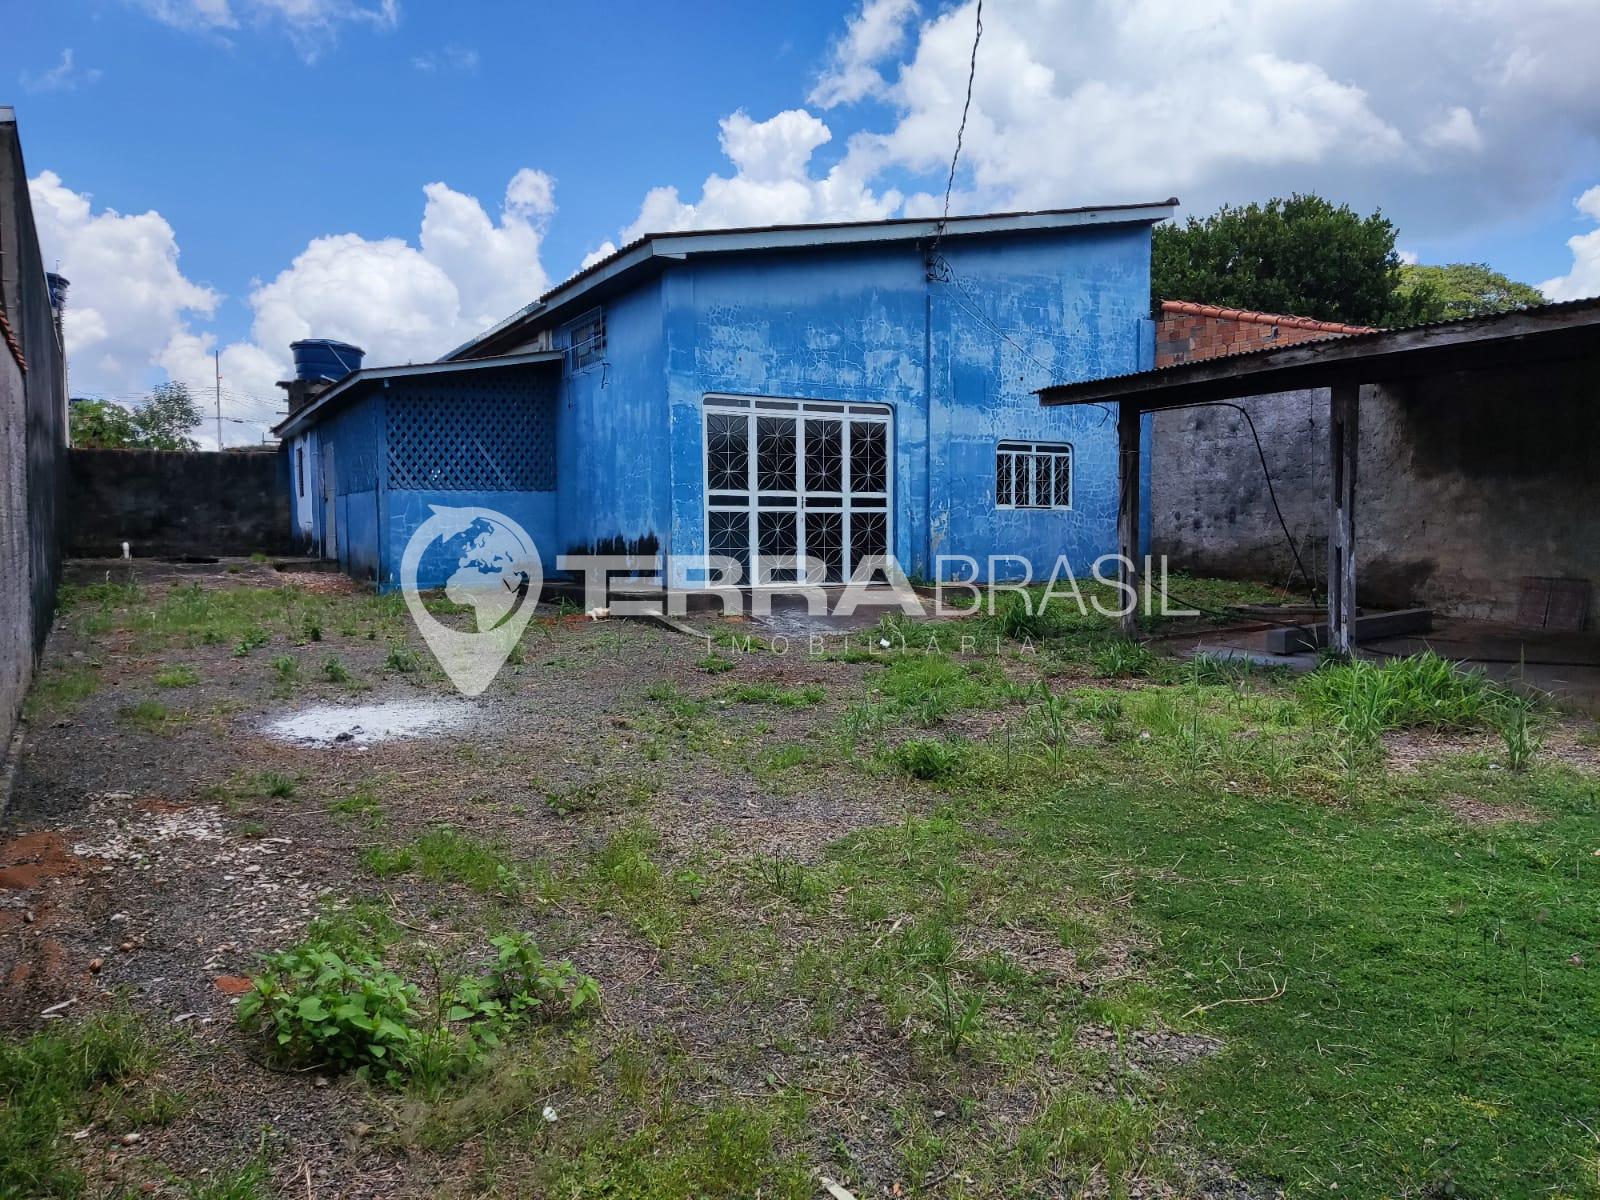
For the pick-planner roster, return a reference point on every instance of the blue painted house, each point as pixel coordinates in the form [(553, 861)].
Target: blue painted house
[(827, 391)]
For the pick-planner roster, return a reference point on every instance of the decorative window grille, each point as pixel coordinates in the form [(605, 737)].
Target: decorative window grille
[(489, 436), (1033, 475), (586, 340)]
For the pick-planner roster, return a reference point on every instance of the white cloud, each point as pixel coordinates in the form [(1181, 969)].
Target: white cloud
[(132, 316), (451, 58), (65, 76), (129, 297), (312, 25), (872, 35), (1455, 130), (1114, 100), (771, 183), (1584, 278)]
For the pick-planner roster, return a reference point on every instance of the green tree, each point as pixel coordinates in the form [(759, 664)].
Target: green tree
[(165, 418), (162, 422), (101, 425), (1302, 256), (1466, 290)]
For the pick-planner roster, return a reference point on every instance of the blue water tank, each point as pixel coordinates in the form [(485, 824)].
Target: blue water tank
[(323, 358)]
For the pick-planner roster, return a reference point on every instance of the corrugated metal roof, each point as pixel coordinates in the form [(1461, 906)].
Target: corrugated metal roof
[(1258, 359), (758, 238)]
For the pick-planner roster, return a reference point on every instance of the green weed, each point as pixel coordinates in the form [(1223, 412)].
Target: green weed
[(180, 676)]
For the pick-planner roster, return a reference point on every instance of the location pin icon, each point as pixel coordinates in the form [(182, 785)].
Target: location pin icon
[(489, 565)]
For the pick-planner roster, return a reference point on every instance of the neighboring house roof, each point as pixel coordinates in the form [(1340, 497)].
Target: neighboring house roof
[(647, 253), (1542, 333), (1189, 308), (357, 381), (11, 341)]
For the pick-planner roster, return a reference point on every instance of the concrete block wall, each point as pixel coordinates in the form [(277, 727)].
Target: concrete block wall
[(169, 503), (1467, 483), (32, 436)]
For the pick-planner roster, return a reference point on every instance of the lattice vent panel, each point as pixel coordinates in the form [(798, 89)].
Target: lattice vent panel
[(489, 436)]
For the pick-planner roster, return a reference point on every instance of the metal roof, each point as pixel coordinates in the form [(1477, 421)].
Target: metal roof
[(1549, 330), (650, 249), (297, 421)]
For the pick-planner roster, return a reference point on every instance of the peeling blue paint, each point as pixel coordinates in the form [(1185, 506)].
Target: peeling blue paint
[(955, 360)]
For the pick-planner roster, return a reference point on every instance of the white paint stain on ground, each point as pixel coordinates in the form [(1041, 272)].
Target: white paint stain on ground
[(362, 724)]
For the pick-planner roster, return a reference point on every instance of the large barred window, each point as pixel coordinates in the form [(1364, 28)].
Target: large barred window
[(1033, 475)]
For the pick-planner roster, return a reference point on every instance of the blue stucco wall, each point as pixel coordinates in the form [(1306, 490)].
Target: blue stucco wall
[(819, 326), (356, 436), (482, 439), (956, 361), (613, 450), (1017, 314)]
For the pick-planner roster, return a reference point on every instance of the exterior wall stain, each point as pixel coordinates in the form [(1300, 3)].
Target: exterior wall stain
[(954, 362)]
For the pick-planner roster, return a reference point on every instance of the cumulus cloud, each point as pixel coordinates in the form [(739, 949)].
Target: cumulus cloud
[(134, 318), (873, 34), (771, 183), (129, 296), (1114, 100), (65, 76), (1584, 278), (312, 25)]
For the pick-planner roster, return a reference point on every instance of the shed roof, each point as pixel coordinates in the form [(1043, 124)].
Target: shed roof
[(1543, 333), (647, 253), (357, 381)]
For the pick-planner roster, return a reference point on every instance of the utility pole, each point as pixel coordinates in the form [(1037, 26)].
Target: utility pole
[(217, 358)]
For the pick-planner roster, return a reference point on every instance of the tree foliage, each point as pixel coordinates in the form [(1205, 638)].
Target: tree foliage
[(1302, 255), (1466, 290), (162, 422)]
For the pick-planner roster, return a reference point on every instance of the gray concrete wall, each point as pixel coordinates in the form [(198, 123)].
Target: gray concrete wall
[(1468, 484), (166, 503), (32, 437)]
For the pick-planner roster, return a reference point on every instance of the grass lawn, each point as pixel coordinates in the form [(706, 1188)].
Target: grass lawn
[(1047, 915)]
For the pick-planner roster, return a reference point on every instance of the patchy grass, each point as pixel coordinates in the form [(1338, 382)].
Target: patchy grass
[(62, 1078), (58, 691), (967, 918), (447, 854), (771, 693), (151, 716), (181, 675)]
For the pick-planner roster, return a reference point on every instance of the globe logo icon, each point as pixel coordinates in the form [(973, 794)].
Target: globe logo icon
[(489, 565)]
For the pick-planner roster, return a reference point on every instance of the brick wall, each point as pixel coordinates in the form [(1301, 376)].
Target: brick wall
[(1187, 332)]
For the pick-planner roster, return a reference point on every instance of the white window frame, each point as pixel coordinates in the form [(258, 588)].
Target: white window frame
[(847, 501), (1037, 460)]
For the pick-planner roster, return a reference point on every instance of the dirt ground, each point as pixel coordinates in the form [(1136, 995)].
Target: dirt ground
[(139, 867), (654, 807)]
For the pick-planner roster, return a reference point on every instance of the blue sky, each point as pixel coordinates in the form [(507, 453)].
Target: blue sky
[(258, 131)]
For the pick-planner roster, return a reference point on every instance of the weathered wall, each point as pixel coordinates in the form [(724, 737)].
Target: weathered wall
[(1466, 484), (32, 436), (955, 360), (166, 502)]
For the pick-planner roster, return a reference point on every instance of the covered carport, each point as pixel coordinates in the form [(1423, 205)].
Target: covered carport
[(1521, 389)]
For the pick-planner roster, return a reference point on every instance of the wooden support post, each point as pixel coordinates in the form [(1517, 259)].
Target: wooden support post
[(1344, 436), (1128, 509)]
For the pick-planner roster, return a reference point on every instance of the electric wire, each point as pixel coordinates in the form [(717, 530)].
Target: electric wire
[(961, 133)]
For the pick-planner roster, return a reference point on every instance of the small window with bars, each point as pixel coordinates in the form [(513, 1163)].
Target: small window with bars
[(586, 340), (1033, 475)]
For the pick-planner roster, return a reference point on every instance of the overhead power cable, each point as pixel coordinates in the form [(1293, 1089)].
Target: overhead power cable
[(961, 133)]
